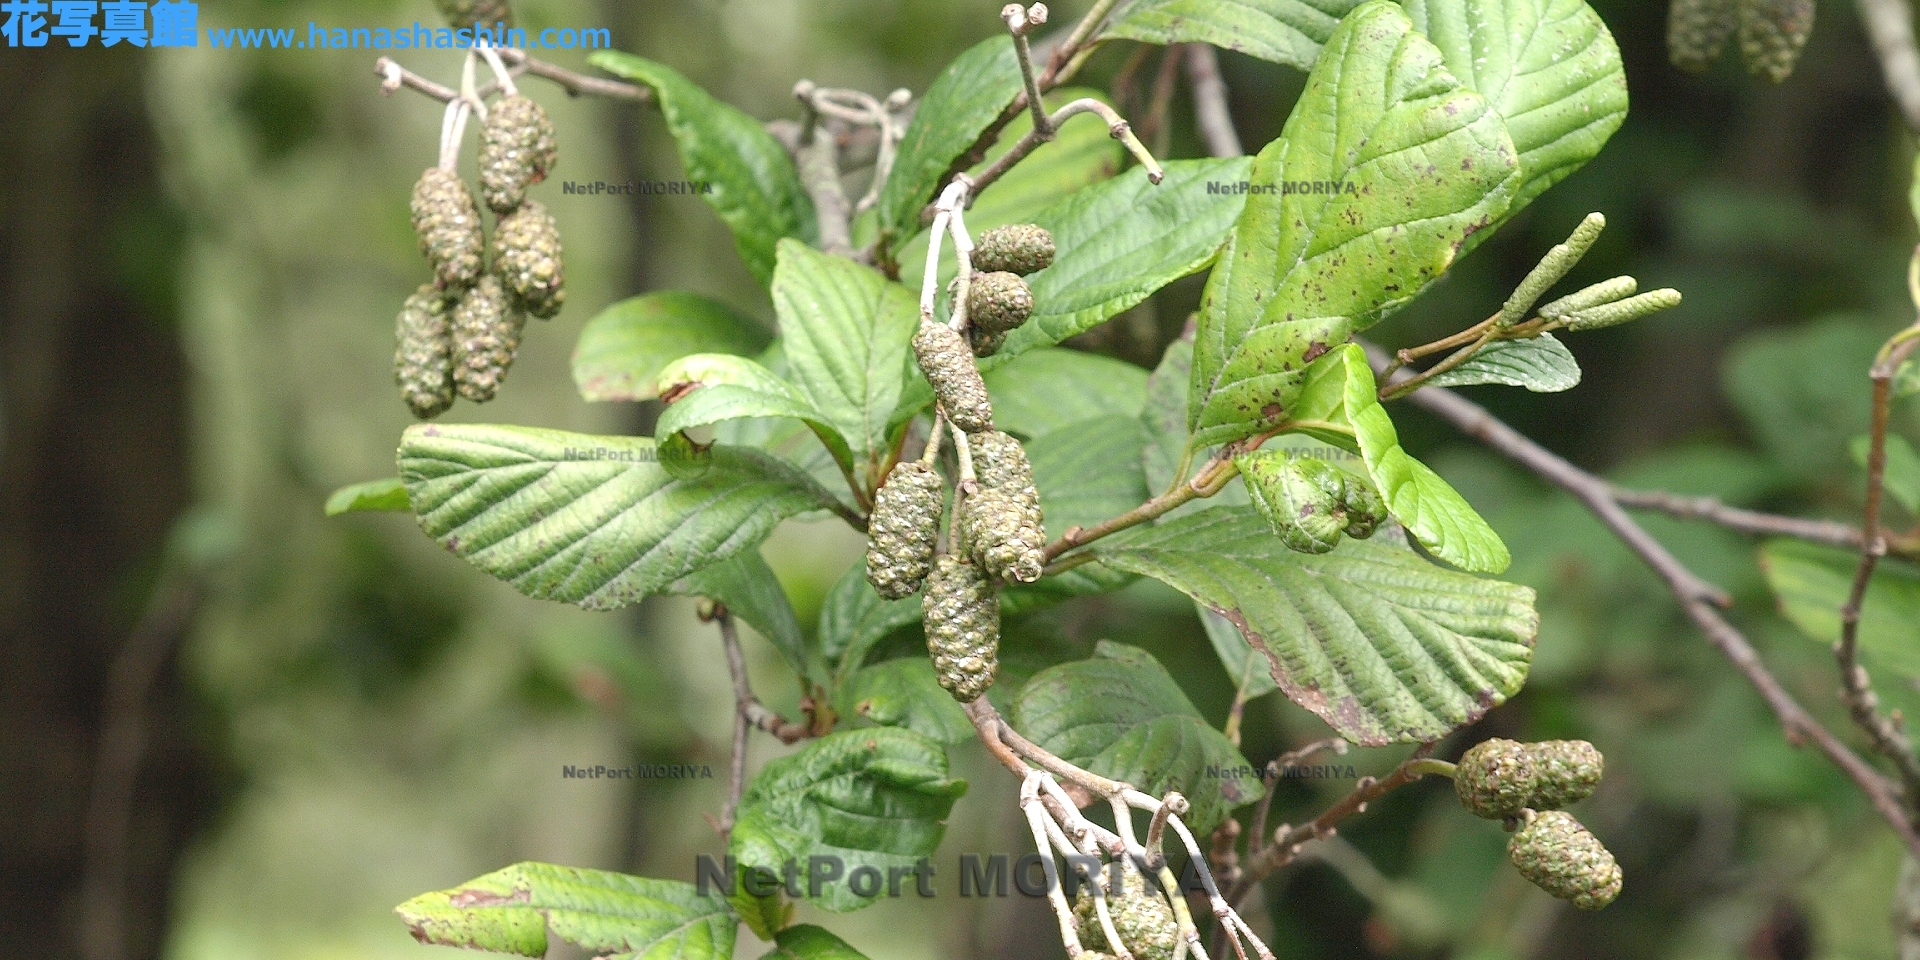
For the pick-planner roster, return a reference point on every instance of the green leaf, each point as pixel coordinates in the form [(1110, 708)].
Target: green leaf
[(808, 942), (1901, 479), (621, 350), (905, 693), (1426, 505), (1282, 31), (959, 106), (847, 333), (765, 916), (1245, 667), (1418, 163), (710, 388), (1121, 715), (589, 520), (1906, 380), (1383, 645), (1165, 413), (873, 798), (1541, 364), (1087, 472), (510, 910), (749, 589), (1812, 582), (854, 618), (1121, 240), (756, 188), (1043, 390), (1549, 67), (1081, 154), (1803, 390), (372, 495)]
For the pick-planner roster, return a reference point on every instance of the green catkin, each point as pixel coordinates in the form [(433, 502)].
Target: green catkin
[(1604, 292), (1697, 31), (423, 353), (486, 335), (1304, 499), (516, 151), (1494, 779), (1019, 248), (1551, 269), (947, 362), (998, 302), (1772, 33), (1623, 311), (1557, 854), (1141, 917), (903, 529), (447, 222), (962, 615), (466, 13), (527, 258)]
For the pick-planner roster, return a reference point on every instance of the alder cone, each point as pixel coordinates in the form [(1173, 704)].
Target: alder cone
[(998, 302), (1143, 920), (516, 151), (1019, 248), (1557, 854), (467, 13), (985, 344), (1697, 31), (902, 530), (423, 353), (1000, 463), (1565, 771), (448, 224), (948, 364), (486, 335), (1772, 33), (962, 612), (1494, 778), (1002, 531), (527, 258)]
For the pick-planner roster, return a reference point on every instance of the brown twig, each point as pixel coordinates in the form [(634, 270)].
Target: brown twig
[(748, 706), (818, 163), (1270, 779), (1288, 840), (1698, 598), (1206, 483), (1210, 111), (1856, 688), (394, 76), (1738, 519)]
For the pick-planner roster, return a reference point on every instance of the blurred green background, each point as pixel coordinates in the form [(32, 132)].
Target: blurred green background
[(204, 253)]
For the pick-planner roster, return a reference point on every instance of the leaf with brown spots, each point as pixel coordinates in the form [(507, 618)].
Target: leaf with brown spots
[(510, 911), (1382, 644)]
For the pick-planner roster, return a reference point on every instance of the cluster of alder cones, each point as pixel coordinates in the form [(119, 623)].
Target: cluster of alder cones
[(459, 333), (1771, 32), (1525, 785), (996, 537)]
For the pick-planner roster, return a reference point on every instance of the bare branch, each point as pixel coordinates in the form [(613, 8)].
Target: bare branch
[(1889, 25), (1210, 111), (1697, 598), (1735, 518)]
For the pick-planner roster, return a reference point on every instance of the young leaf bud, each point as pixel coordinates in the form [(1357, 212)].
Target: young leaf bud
[(1772, 33), (1020, 248), (516, 151), (948, 365), (903, 528), (1141, 917), (1697, 30), (1565, 771), (1623, 311), (962, 612), (448, 224), (486, 334), (527, 258), (1606, 291), (1495, 779), (998, 302), (1304, 499), (1557, 854), (423, 353)]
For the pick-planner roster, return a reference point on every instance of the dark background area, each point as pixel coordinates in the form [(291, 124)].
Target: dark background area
[(203, 253)]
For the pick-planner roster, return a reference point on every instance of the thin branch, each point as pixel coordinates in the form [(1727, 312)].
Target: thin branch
[(1270, 778), (1019, 22), (1856, 688), (1206, 483), (1287, 841), (1889, 25), (1117, 127), (1697, 598), (1735, 518), (818, 163), (577, 84), (748, 706), (1210, 112)]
